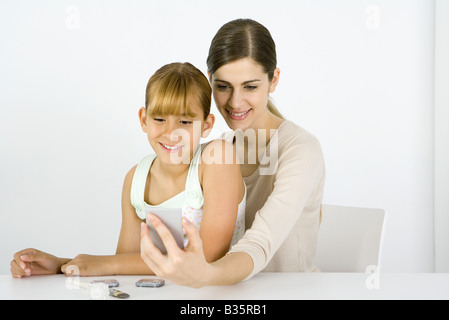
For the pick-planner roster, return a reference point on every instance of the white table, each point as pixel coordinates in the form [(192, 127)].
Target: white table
[(264, 286)]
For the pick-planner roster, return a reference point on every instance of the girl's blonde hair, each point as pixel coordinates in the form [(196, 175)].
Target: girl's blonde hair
[(174, 88)]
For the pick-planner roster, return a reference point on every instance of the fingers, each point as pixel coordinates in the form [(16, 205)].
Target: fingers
[(64, 269), (193, 234), (83, 265), (20, 266), (24, 255), (31, 257), (71, 269), (19, 261), (16, 270), (148, 251), (167, 238)]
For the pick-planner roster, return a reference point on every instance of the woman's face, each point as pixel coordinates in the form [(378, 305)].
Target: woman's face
[(240, 91)]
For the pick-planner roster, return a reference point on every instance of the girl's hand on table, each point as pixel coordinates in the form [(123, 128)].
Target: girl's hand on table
[(88, 265), (29, 262)]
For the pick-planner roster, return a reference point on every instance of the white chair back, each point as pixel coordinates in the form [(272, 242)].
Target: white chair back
[(349, 239)]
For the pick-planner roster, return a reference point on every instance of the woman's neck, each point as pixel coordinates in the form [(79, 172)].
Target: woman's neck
[(255, 143), (264, 130)]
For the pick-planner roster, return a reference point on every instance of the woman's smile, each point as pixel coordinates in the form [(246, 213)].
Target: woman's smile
[(238, 115)]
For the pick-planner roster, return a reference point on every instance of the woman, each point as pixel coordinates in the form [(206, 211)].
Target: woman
[(283, 201)]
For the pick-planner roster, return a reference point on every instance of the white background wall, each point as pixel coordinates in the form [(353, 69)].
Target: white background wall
[(356, 73), (441, 136)]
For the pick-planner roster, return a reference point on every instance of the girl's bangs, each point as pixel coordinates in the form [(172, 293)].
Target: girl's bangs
[(170, 96)]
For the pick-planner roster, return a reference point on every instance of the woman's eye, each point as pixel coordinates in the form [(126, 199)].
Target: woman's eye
[(251, 88), (222, 87)]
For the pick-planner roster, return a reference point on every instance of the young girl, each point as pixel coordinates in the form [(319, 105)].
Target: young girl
[(182, 173)]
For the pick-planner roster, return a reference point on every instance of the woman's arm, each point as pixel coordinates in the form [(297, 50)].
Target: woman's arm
[(298, 181), (189, 267), (300, 168)]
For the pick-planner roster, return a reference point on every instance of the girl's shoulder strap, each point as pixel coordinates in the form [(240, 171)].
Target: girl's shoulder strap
[(138, 185), (194, 192)]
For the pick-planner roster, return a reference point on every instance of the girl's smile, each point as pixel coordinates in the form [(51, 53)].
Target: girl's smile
[(170, 148)]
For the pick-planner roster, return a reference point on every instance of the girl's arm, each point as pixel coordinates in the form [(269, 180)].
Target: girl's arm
[(35, 262), (127, 259), (223, 190)]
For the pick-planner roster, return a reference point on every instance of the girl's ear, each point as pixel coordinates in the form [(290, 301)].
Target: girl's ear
[(143, 118), (208, 125)]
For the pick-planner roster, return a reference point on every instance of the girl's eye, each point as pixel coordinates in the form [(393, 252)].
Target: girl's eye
[(185, 122), (158, 119)]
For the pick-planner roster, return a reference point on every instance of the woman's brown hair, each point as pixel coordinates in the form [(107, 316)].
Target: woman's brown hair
[(244, 38)]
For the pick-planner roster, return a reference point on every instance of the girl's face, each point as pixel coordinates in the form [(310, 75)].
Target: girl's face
[(240, 91), (175, 138)]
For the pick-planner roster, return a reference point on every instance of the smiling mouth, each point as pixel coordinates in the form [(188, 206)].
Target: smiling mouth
[(239, 114), (169, 147)]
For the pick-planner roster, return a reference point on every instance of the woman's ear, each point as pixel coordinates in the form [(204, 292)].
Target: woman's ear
[(275, 80), (143, 118), (208, 125)]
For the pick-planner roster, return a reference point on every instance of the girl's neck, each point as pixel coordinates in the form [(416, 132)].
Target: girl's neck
[(171, 172)]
